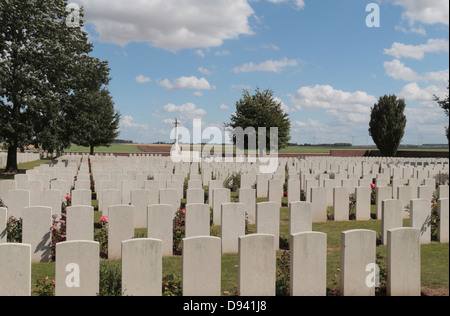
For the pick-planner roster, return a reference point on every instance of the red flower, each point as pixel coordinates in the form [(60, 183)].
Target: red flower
[(183, 212), (104, 219), (373, 186), (285, 193), (68, 197)]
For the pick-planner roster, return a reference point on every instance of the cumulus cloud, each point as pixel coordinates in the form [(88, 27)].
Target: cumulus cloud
[(298, 4), (143, 79), (399, 50), (353, 106), (425, 11), (399, 71), (127, 122), (188, 111), (276, 66), (204, 71), (184, 83), (169, 24)]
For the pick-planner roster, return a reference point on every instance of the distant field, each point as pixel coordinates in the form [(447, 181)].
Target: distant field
[(115, 148), (151, 148)]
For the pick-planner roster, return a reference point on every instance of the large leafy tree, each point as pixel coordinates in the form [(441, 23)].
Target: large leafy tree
[(445, 105), (387, 124), (260, 110), (43, 63), (97, 121)]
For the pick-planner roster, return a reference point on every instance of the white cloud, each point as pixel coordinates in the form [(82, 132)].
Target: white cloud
[(142, 79), (399, 50), (276, 66), (298, 4), (200, 53), (169, 24), (186, 111), (224, 107), (222, 53), (350, 106), (240, 86), (128, 122), (399, 71), (284, 107), (184, 83), (198, 94), (425, 11), (204, 71)]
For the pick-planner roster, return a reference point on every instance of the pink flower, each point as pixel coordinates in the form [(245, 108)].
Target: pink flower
[(68, 197), (104, 219), (373, 186)]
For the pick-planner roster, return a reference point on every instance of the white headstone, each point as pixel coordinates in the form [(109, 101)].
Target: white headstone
[(15, 267), (77, 268), (142, 267), (257, 265), (202, 266)]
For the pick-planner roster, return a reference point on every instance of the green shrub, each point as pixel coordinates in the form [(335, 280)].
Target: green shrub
[(283, 283), (233, 182), (13, 230), (110, 278), (171, 285), (45, 287)]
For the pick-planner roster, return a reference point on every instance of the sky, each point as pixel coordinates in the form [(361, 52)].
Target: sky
[(327, 61)]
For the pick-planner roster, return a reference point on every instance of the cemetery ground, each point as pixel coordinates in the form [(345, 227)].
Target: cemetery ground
[(165, 148), (434, 258)]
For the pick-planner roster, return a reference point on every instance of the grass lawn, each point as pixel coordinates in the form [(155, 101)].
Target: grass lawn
[(23, 167), (435, 257), (114, 148)]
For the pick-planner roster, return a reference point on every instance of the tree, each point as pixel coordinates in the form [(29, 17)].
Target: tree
[(97, 121), (444, 104), (387, 124), (43, 61), (260, 110)]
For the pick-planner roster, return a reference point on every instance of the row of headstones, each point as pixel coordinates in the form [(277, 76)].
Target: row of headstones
[(77, 266), (159, 223), (21, 158)]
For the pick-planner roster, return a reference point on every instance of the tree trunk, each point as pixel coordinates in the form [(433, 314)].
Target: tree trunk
[(92, 150), (11, 165)]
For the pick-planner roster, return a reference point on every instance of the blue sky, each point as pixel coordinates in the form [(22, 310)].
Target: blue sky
[(193, 58)]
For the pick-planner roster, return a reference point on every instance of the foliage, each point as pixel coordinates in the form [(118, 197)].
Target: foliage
[(44, 66), (302, 196), (179, 231), (248, 230), (171, 285), (110, 278), (352, 206), (284, 242), (441, 179), (233, 182), (259, 110), (445, 105), (2, 204), (45, 287), (101, 236), (382, 275), (373, 197), (59, 232), (435, 219), (13, 230), (283, 284), (387, 124), (97, 120)]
